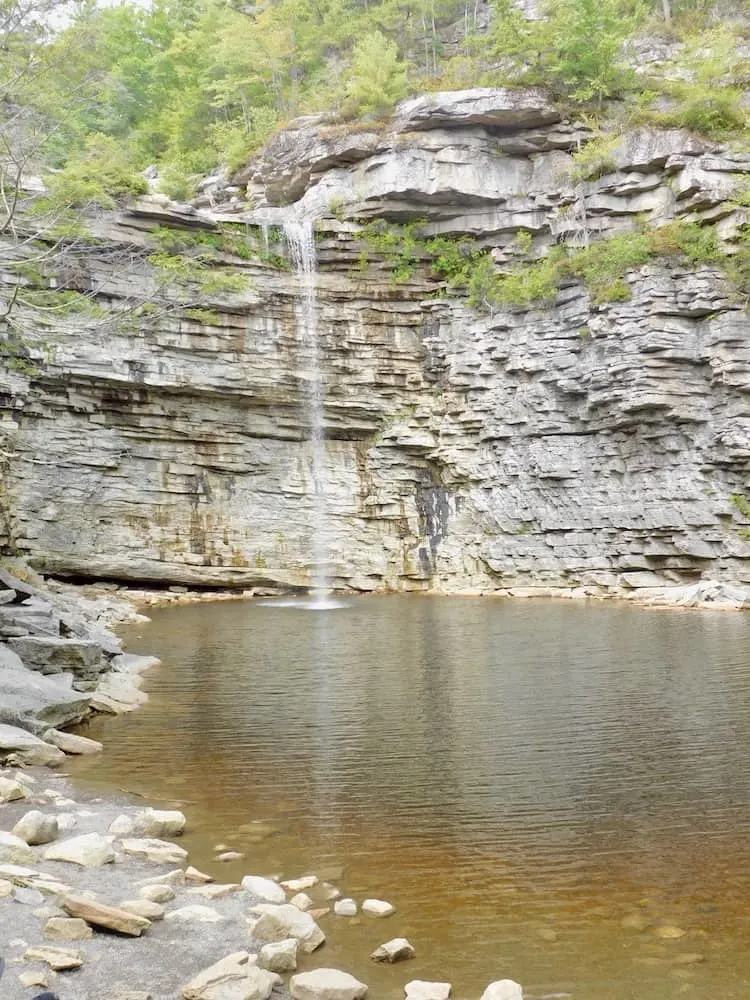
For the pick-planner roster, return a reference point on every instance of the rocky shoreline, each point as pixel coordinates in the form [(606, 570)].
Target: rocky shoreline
[(96, 899)]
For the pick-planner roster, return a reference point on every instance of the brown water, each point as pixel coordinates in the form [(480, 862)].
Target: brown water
[(539, 787)]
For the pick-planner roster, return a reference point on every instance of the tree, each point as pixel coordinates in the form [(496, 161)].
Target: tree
[(378, 77)]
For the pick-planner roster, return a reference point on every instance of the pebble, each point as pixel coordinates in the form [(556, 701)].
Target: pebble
[(230, 856), (67, 929), (157, 893), (298, 884), (669, 931), (59, 959), (345, 908)]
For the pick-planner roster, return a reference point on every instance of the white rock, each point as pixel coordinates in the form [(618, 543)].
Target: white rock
[(302, 901), (298, 884), (37, 978), (14, 851), (157, 893), (233, 978), (193, 875), (345, 908), (57, 958), (279, 956), (143, 908), (11, 790), (122, 825), (71, 743), (159, 823), (176, 877), (6, 888), (326, 984), (159, 851), (36, 828), (279, 922), (66, 822), (503, 989), (264, 888), (67, 929), (195, 914), (90, 850), (421, 989), (378, 908), (216, 890), (395, 950)]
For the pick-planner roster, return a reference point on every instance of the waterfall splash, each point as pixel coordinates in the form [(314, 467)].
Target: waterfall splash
[(301, 239)]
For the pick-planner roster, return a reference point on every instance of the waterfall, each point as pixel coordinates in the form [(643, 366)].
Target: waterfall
[(301, 240)]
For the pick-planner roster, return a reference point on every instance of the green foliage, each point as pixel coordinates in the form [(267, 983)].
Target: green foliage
[(595, 158), (740, 503), (177, 269), (378, 76), (698, 244), (100, 175)]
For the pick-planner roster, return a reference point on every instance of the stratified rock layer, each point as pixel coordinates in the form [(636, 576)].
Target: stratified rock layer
[(576, 445)]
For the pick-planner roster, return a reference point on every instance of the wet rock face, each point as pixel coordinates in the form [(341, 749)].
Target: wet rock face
[(575, 445)]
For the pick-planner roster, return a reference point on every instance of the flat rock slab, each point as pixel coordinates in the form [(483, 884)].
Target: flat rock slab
[(90, 850), (72, 743), (27, 748), (51, 655), (264, 888), (422, 989), (326, 984), (101, 915), (235, 977), (59, 959), (160, 851)]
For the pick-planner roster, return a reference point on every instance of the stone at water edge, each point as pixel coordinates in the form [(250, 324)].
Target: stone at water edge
[(59, 959), (159, 851), (395, 950), (14, 851), (345, 908), (102, 915), (67, 929), (326, 984), (11, 790), (279, 956), (159, 823), (157, 893), (214, 890), (421, 989), (122, 826), (22, 747), (302, 901), (36, 828), (298, 884), (72, 743), (278, 922), (378, 908), (229, 856), (264, 888), (503, 989), (193, 875), (90, 850), (232, 978)]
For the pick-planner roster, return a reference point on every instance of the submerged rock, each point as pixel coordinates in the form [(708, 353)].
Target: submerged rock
[(420, 989), (395, 950), (378, 908)]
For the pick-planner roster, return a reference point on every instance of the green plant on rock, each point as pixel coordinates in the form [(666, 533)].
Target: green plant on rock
[(595, 158)]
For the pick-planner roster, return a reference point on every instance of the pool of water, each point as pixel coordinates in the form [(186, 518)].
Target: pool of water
[(544, 790)]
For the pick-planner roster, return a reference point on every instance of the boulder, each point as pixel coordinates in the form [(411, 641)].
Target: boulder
[(59, 959), (279, 956), (22, 747), (235, 977), (395, 950), (507, 108), (264, 889), (143, 908), (102, 915), (159, 823), (421, 989), (36, 828), (72, 743), (116, 694), (53, 655), (28, 698), (160, 851), (326, 984), (14, 851), (503, 989), (279, 922), (11, 790), (67, 929), (90, 850), (378, 908), (157, 893)]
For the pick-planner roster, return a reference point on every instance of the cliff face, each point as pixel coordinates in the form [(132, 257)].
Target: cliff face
[(567, 445)]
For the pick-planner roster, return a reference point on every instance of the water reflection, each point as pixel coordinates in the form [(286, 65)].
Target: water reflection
[(520, 778)]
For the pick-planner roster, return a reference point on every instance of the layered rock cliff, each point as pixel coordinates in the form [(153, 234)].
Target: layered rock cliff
[(569, 444)]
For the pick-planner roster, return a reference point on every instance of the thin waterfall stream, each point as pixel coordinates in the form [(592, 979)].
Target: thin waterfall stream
[(300, 237)]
